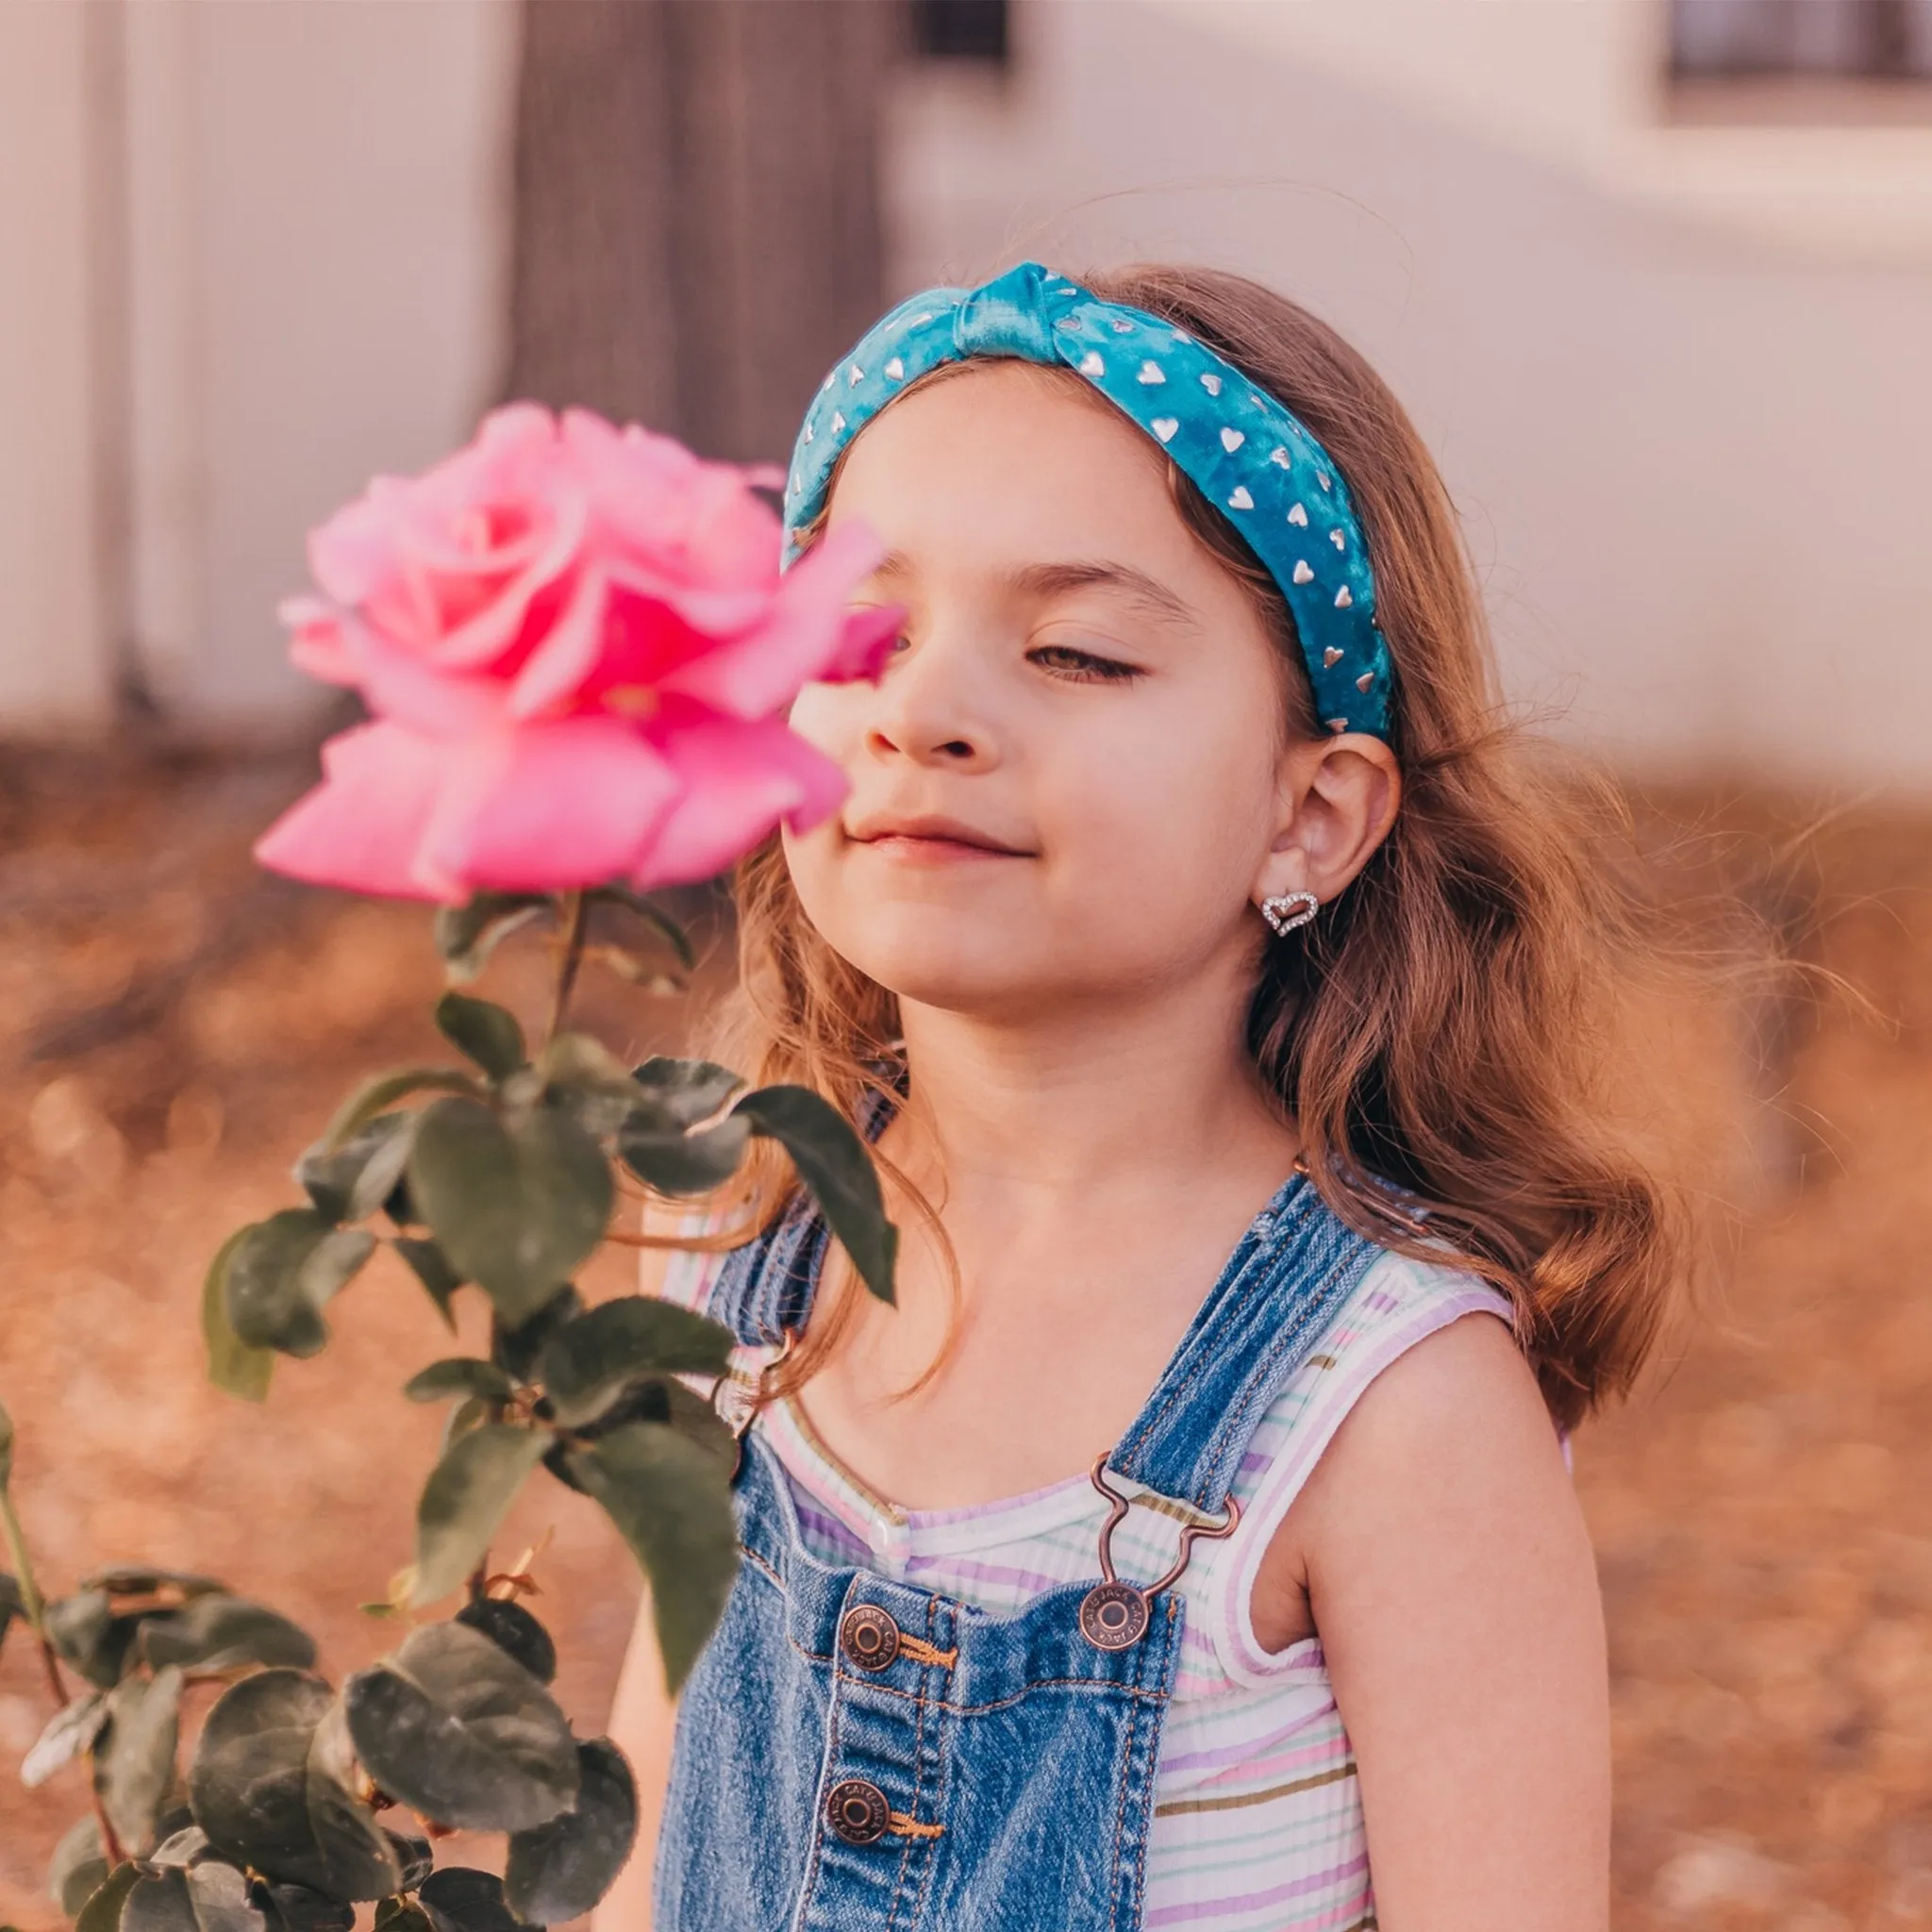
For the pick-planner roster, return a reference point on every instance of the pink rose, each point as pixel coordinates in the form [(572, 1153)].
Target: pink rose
[(578, 651)]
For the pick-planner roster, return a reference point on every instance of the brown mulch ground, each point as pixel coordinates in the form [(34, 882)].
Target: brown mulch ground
[(173, 1030)]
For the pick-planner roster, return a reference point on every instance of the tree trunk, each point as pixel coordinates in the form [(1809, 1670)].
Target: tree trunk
[(696, 231)]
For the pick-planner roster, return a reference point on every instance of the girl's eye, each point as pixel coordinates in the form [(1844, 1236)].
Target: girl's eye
[(1081, 667)]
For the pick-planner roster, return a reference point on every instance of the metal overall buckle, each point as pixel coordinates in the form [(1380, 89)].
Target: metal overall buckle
[(747, 1405), (1114, 1615)]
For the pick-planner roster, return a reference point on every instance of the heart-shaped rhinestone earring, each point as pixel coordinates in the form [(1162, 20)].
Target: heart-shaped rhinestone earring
[(1288, 911)]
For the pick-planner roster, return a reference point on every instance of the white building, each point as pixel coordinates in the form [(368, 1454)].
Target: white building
[(1675, 352)]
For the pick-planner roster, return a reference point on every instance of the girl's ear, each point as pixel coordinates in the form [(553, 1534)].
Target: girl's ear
[(1338, 798)]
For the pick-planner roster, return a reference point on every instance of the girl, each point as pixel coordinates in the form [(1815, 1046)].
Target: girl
[(1193, 1545)]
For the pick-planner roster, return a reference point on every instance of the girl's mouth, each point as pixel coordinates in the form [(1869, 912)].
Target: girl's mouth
[(931, 840)]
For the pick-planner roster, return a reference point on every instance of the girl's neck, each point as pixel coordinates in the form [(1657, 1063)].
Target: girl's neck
[(1099, 1101)]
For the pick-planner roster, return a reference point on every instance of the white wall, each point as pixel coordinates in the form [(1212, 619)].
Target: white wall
[(54, 653), (1690, 441), (309, 243), (1678, 377), (324, 286)]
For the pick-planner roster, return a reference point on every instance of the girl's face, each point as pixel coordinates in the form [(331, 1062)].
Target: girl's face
[(1069, 783)]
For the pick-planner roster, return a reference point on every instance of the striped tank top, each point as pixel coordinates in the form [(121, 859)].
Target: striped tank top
[(1257, 1822)]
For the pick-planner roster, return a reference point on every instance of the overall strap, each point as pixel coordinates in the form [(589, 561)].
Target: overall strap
[(765, 1288), (1281, 1288)]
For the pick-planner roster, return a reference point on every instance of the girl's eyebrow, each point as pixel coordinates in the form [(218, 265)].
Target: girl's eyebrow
[(1057, 579)]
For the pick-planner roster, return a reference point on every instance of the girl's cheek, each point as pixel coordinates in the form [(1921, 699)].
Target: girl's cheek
[(831, 717)]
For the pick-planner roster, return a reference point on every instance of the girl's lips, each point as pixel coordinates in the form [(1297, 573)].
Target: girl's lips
[(909, 848), (929, 840)]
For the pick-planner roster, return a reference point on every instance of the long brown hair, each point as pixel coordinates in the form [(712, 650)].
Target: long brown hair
[(1452, 1023)]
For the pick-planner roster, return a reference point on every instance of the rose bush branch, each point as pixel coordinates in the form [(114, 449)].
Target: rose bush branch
[(578, 649)]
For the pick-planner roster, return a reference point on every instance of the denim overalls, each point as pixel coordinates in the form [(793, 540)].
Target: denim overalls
[(857, 1755)]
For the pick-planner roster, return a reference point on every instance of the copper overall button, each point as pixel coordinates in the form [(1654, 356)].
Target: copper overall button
[(1112, 1616), (869, 1638), (856, 1811)]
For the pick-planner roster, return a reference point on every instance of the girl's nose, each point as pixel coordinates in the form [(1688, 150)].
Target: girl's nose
[(926, 712)]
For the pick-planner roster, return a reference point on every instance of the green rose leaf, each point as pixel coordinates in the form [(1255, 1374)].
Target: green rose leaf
[(271, 1787), (138, 1579), (692, 1416), (416, 1857), (685, 1093), (70, 1731), (512, 1629), (181, 1848), (588, 1362), (464, 1499), (231, 1364), (430, 1266), (487, 1033), (102, 1911), (516, 1350), (134, 1755), (175, 1814), (833, 1162), (460, 1900), (158, 1903), (658, 1399), (467, 935), (655, 916), (472, 1412), (284, 1272), (462, 1733), (671, 1501), (381, 1093), (217, 1633), (586, 1078), (296, 1908), (556, 1871), (79, 1867), (84, 1629), (351, 1181), (674, 1162), (211, 1897), (401, 1915), (516, 1206), (459, 1375)]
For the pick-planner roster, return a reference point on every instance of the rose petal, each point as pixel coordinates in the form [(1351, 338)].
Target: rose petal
[(483, 636), (753, 676), (721, 610), (865, 644), (402, 685), (318, 645), (568, 652), (739, 781), (552, 803), (359, 829)]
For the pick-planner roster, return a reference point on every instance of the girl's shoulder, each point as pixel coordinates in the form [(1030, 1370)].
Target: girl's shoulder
[(1399, 1299), (1399, 1302)]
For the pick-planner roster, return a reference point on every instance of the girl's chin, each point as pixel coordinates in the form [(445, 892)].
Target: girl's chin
[(927, 971)]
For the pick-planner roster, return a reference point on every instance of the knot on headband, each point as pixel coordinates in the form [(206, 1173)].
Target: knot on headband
[(1251, 456)]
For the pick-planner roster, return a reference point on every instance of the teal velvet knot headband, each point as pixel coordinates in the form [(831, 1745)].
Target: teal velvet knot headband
[(1250, 457)]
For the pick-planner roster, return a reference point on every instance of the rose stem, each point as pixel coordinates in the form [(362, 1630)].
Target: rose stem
[(576, 924), (35, 1610)]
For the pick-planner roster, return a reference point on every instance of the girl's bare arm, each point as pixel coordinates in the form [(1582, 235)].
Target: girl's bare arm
[(641, 1717), (1454, 1587)]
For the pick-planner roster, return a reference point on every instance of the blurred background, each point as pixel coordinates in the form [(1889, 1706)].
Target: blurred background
[(1654, 276)]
